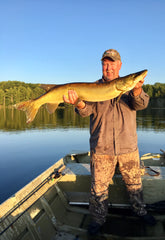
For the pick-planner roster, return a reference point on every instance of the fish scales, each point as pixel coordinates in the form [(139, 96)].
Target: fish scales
[(92, 92), (86, 91)]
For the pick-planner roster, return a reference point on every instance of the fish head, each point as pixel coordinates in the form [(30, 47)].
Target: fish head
[(128, 82)]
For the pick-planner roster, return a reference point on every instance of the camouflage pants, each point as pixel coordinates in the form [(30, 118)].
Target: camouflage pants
[(102, 171)]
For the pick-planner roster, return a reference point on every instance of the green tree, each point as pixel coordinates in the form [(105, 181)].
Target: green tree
[(148, 89), (2, 96)]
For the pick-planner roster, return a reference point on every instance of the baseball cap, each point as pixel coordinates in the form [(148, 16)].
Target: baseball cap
[(111, 53)]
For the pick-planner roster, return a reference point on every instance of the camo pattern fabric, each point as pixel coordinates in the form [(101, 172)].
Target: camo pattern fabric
[(102, 171)]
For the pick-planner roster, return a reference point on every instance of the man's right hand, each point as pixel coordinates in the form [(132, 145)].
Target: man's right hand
[(74, 99)]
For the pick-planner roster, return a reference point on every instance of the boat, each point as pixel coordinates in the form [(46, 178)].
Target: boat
[(54, 206)]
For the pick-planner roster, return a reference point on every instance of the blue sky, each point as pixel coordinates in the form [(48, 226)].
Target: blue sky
[(52, 41)]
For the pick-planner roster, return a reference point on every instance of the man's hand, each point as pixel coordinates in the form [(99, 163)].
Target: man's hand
[(74, 99), (138, 87), (139, 84)]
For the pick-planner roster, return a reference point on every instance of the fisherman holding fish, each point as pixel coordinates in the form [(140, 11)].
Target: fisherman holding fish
[(113, 140), (111, 103)]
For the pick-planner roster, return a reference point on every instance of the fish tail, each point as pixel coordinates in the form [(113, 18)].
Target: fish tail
[(30, 109)]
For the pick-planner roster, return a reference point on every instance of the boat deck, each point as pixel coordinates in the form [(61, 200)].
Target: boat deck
[(54, 206)]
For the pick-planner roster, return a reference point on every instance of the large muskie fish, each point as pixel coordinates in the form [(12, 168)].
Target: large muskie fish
[(92, 92)]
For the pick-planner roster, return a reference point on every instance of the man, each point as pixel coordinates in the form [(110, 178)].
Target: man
[(113, 140)]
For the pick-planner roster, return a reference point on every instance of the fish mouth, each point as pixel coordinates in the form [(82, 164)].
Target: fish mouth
[(142, 73), (145, 73), (132, 80)]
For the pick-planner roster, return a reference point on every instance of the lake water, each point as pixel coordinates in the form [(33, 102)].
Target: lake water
[(28, 150)]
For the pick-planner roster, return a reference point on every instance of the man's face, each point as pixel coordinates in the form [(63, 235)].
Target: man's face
[(110, 69)]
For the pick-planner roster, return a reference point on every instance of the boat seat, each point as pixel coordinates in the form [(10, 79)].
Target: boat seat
[(77, 169), (78, 198)]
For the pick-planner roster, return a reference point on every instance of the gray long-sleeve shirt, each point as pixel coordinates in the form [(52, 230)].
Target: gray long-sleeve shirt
[(113, 124)]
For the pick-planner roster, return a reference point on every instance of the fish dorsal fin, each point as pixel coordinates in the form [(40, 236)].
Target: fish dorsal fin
[(47, 87), (51, 107)]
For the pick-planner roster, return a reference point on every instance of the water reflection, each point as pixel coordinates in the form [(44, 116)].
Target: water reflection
[(153, 117), (13, 120), (50, 137)]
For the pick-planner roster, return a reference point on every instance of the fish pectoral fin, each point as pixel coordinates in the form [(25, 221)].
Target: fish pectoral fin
[(51, 107), (118, 99), (47, 87)]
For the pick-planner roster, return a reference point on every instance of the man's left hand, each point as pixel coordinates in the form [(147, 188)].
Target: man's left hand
[(138, 88), (139, 84)]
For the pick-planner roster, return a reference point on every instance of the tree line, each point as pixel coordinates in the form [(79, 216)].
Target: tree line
[(155, 91), (12, 92)]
